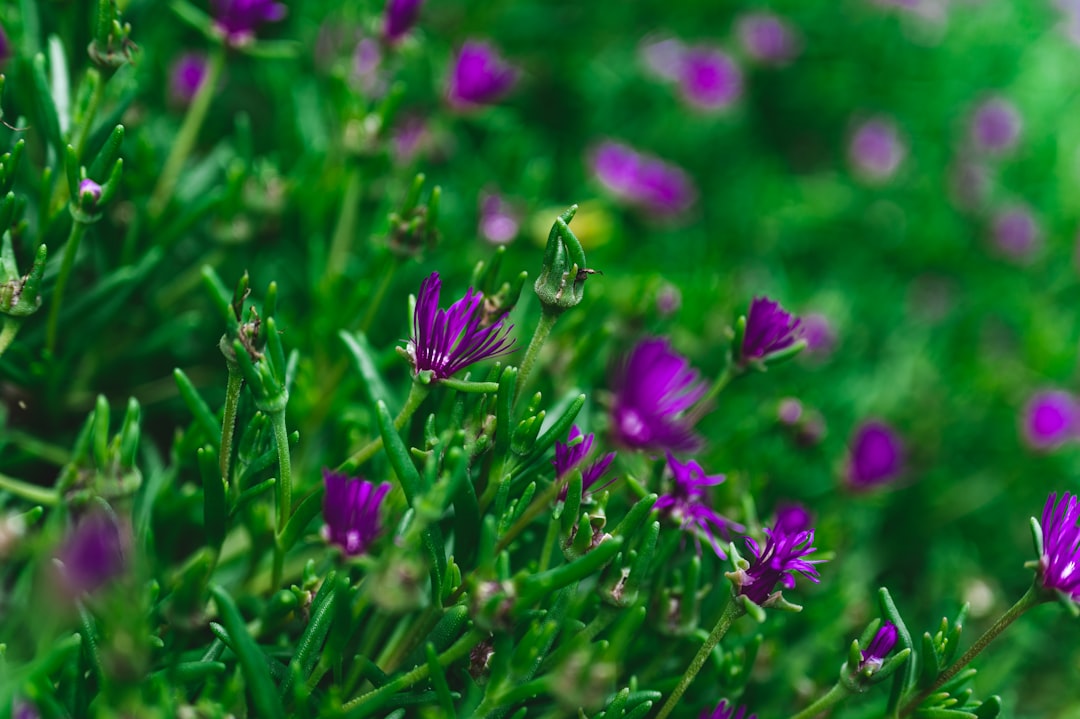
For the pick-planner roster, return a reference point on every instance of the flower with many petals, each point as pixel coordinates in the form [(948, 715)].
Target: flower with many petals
[(351, 510), (480, 76), (1059, 564), (778, 562), (572, 453), (445, 341), (654, 388), (237, 19), (724, 710), (769, 331), (685, 503)]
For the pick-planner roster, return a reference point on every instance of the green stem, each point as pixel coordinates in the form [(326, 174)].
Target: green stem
[(1033, 597), (228, 420), (834, 696), (30, 492), (717, 387), (78, 229), (188, 134), (341, 242), (284, 486), (540, 335), (417, 393), (8, 331), (732, 611)]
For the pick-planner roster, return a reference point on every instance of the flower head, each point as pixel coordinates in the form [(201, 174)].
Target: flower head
[(1059, 565), (876, 150), (709, 79), (769, 330), (238, 19), (1050, 418), (880, 646), (445, 341), (400, 17), (792, 517), (767, 38), (819, 333), (480, 76), (1015, 234), (186, 77), (995, 126), (351, 510), (500, 221), (877, 455), (570, 455), (662, 56), (642, 180), (777, 562), (724, 710), (91, 188), (653, 389), (94, 553), (685, 503)]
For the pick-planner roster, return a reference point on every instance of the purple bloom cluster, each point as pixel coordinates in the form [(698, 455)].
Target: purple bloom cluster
[(767, 38), (94, 553), (685, 503), (238, 19), (1059, 565), (1050, 418), (351, 510), (724, 710), (880, 646), (570, 455), (400, 17), (708, 78), (480, 76), (445, 341), (877, 455), (642, 180), (654, 387), (777, 562), (769, 329)]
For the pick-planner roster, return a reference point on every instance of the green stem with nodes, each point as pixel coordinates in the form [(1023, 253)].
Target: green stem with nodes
[(71, 248), (345, 229), (189, 132), (834, 696), (228, 420), (540, 335), (732, 611), (8, 331), (30, 492), (1034, 596), (284, 485), (417, 393)]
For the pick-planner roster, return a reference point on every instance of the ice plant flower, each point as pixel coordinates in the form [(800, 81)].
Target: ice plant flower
[(570, 455), (1059, 563), (819, 334), (767, 38), (709, 79), (780, 559), (351, 510), (876, 455), (685, 502), (995, 126), (880, 646), (792, 517), (655, 386), (94, 553), (480, 76), (1050, 418), (875, 150), (645, 181), (400, 17), (187, 75), (499, 220), (91, 188), (769, 330), (238, 19), (445, 341), (724, 710), (1015, 234)]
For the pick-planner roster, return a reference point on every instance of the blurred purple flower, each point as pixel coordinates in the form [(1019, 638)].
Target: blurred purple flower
[(500, 222), (642, 180), (880, 646), (1050, 418), (685, 503), (93, 554), (445, 341), (876, 455), (351, 509), (875, 150), (89, 187), (789, 411), (792, 517), (724, 710), (995, 125), (776, 563), (480, 76), (709, 78), (238, 19), (769, 330), (24, 709), (187, 75), (767, 38), (5, 47), (570, 455), (668, 300), (367, 64), (409, 138), (662, 57), (819, 334), (1060, 560), (653, 389), (400, 17), (1016, 234)]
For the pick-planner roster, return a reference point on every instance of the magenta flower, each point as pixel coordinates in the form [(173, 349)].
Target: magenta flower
[(351, 510), (90, 188), (995, 126), (876, 455), (880, 646), (500, 221), (724, 710), (445, 341), (767, 38), (792, 517), (642, 180), (238, 19), (769, 330), (653, 389), (480, 76), (709, 79), (400, 17), (876, 150), (186, 77), (685, 502), (1050, 418), (1016, 234), (93, 554), (1059, 563), (570, 455), (778, 562), (819, 334)]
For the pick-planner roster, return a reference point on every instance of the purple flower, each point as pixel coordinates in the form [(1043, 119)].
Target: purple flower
[(400, 17), (89, 187), (237, 19), (409, 139), (499, 220), (25, 710), (880, 646), (188, 73), (1016, 234), (570, 455), (1059, 565), (93, 554), (769, 330), (875, 150), (652, 390), (877, 455), (792, 517), (5, 46), (995, 126), (685, 503), (668, 300), (767, 38), (790, 411), (709, 79), (662, 57), (480, 76), (445, 341), (367, 60), (351, 509), (1050, 418), (777, 562), (819, 334), (724, 710), (642, 180)]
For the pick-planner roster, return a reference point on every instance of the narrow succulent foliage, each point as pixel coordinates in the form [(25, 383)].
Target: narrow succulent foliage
[(880, 646), (769, 329), (238, 19), (724, 710), (351, 509), (655, 386), (570, 455), (445, 341), (778, 561), (93, 554), (480, 76), (686, 503), (1059, 565)]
